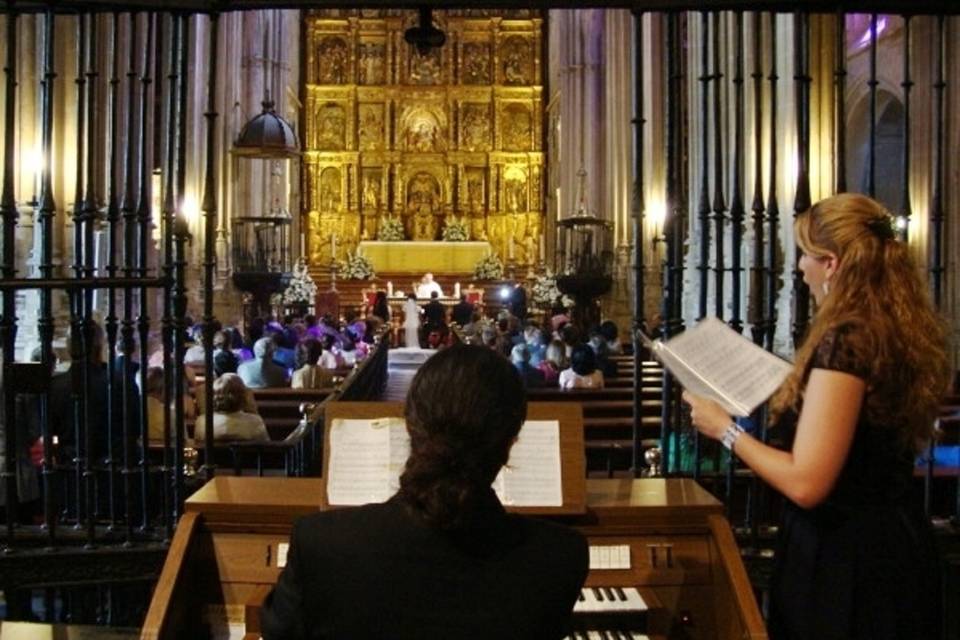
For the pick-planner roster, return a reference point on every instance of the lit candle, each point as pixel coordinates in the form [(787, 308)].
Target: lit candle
[(389, 289), (303, 245), (456, 289), (543, 247), (333, 245)]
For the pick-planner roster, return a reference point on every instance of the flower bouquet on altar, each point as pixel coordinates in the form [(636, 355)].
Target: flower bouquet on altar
[(455, 230), (545, 292), (357, 267), (488, 267), (301, 291), (390, 229)]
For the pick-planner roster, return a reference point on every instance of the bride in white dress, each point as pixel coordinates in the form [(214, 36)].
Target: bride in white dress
[(411, 321)]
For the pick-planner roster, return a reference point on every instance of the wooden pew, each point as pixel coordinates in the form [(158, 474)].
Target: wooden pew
[(608, 422), (280, 407), (223, 558)]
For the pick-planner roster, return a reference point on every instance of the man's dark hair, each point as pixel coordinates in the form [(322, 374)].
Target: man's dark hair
[(464, 409), (434, 295)]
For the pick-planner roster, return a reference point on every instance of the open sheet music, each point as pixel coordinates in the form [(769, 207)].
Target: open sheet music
[(714, 361), (367, 457)]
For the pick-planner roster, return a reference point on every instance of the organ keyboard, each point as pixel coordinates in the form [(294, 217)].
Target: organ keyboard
[(664, 563)]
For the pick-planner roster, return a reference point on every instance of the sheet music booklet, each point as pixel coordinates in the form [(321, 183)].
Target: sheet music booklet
[(367, 457), (714, 361)]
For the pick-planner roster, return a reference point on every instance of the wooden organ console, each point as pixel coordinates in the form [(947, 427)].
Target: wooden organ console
[(666, 538), (663, 560)]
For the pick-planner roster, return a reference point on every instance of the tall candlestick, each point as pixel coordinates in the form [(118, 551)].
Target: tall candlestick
[(510, 248), (333, 245), (543, 248), (303, 245)]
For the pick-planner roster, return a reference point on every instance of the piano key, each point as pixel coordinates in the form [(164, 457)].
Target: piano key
[(593, 599)]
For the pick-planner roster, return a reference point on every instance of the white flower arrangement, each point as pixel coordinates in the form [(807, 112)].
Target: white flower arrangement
[(357, 267), (488, 267), (545, 292), (301, 289), (390, 229), (456, 230)]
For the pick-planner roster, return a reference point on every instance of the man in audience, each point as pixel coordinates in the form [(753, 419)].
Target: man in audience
[(532, 377), (517, 302), (462, 312), (262, 371), (435, 314)]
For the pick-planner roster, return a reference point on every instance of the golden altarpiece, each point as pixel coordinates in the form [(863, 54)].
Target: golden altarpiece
[(424, 139)]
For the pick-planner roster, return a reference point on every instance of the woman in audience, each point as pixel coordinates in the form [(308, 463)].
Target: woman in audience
[(154, 391), (230, 422), (328, 360), (348, 353), (309, 374), (224, 359), (583, 372), (855, 559), (554, 361), (441, 558), (381, 308), (610, 333)]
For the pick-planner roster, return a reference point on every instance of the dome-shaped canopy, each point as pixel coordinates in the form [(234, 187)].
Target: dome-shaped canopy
[(267, 136)]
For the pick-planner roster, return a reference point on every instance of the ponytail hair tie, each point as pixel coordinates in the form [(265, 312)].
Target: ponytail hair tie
[(882, 227)]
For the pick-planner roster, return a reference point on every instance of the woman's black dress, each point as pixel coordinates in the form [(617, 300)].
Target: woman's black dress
[(863, 563)]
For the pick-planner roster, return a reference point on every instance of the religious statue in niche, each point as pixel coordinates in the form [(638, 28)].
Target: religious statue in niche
[(475, 206), (532, 240), (330, 190), (371, 190), (475, 128), (515, 190), (476, 63), (425, 69), (316, 237), (371, 127), (370, 203), (332, 65), (496, 234), (371, 62), (332, 126), (516, 231), (516, 61), (423, 207), (516, 128)]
